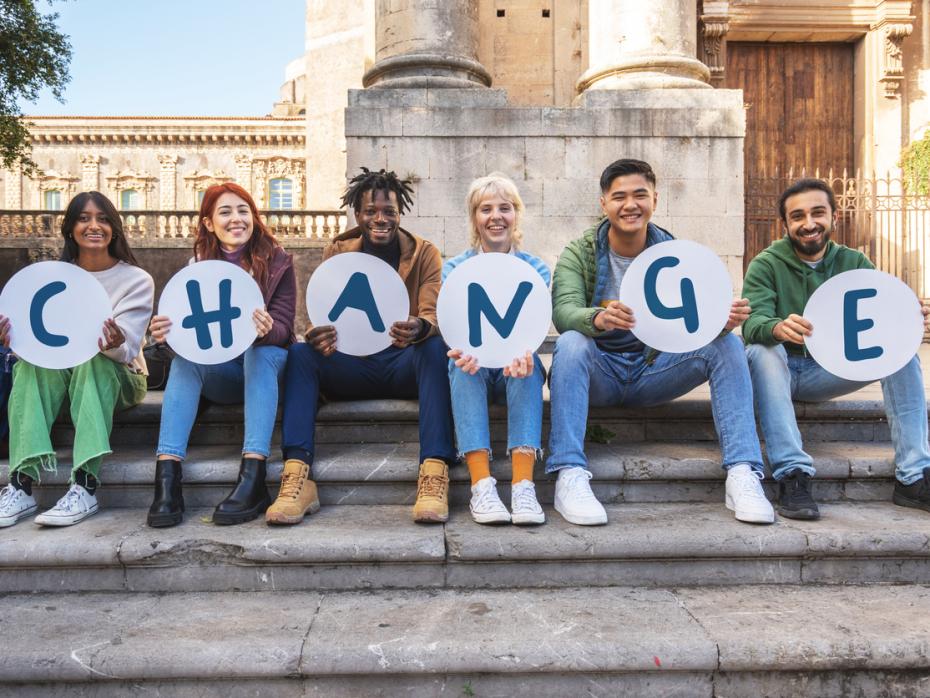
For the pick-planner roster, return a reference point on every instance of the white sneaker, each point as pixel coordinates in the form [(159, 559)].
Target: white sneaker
[(15, 505), (486, 506), (524, 505), (745, 497), (574, 499), (75, 506)]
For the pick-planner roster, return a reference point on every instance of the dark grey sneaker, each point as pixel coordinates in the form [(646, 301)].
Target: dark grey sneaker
[(916, 495), (794, 496)]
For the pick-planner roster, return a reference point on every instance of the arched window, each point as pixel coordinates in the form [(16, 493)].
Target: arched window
[(53, 200), (281, 194), (129, 200)]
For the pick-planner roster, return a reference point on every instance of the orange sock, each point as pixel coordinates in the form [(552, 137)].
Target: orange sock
[(522, 460), (478, 465)]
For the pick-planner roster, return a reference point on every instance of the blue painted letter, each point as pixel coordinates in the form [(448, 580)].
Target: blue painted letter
[(357, 294), (201, 321), (687, 311), (852, 326), (478, 303), (43, 295)]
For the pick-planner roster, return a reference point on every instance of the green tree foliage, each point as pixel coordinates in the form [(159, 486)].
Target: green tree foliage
[(915, 166), (33, 55)]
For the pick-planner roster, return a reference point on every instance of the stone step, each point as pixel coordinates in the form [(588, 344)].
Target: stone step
[(380, 547), (710, 641), (849, 418), (386, 473)]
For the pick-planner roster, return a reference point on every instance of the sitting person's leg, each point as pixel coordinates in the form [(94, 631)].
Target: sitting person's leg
[(524, 441), (906, 408)]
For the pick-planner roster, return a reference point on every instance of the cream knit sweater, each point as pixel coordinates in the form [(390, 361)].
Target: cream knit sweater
[(132, 294)]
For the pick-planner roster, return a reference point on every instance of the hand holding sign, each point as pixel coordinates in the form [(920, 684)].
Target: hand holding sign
[(681, 295), (615, 316), (864, 325), (38, 304), (507, 310)]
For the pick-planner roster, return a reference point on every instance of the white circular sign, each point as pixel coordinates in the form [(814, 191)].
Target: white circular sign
[(867, 325), (56, 313), (495, 307), (361, 296), (210, 305), (680, 294)]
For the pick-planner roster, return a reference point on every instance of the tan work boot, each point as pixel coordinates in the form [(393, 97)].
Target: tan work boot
[(432, 492), (296, 497)]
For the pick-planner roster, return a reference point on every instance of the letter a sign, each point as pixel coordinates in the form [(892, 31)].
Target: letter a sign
[(495, 307), (56, 313), (210, 305)]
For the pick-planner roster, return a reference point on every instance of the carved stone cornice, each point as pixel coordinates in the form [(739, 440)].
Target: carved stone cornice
[(129, 179), (50, 180), (892, 65), (715, 23), (805, 20)]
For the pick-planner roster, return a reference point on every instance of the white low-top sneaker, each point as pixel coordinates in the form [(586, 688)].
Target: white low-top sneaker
[(745, 497), (15, 505), (75, 506), (574, 499), (486, 505), (524, 506)]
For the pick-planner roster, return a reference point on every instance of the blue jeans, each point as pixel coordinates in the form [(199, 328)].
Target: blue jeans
[(582, 374), (251, 378), (470, 397), (778, 379), (415, 372)]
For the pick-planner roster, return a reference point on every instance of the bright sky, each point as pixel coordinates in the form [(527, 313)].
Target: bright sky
[(174, 57)]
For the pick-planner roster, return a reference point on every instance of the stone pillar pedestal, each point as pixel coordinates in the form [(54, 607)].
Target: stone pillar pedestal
[(424, 43), (637, 44)]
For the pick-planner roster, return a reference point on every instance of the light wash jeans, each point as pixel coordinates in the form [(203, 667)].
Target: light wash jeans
[(583, 374), (778, 378), (251, 378), (470, 398)]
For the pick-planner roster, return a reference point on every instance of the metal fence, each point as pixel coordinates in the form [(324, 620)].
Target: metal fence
[(877, 216)]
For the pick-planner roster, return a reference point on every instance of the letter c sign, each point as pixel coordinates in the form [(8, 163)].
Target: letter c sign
[(56, 313)]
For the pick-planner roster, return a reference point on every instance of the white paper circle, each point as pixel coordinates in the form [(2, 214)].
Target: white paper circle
[(219, 341), (505, 279), (72, 317), (897, 328), (357, 334), (697, 267)]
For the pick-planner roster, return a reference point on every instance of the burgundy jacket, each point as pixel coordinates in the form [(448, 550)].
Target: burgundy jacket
[(280, 294)]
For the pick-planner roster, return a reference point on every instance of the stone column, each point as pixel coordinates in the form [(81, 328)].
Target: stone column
[(642, 44), (426, 43), (168, 182), (90, 172)]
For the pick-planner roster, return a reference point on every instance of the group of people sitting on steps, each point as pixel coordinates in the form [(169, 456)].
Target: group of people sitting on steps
[(598, 360)]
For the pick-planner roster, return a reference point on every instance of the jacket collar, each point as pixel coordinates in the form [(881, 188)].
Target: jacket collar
[(351, 241)]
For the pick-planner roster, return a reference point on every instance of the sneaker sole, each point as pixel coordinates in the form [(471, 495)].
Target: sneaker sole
[(276, 519), (765, 518), (528, 519), (16, 518), (491, 518), (903, 501), (583, 520), (59, 521)]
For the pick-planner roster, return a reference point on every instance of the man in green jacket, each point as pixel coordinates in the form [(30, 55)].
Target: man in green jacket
[(778, 283), (599, 361)]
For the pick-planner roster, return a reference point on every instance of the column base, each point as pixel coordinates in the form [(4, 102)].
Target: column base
[(432, 70), (648, 72)]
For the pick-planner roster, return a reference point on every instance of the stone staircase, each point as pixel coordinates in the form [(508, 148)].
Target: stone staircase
[(672, 597)]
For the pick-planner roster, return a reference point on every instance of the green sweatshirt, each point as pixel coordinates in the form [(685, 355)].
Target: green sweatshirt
[(778, 284)]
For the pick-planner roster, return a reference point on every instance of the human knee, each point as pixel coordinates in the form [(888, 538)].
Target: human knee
[(765, 358), (573, 346), (432, 351)]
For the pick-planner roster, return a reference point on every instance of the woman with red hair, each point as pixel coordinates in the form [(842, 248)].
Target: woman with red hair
[(230, 229)]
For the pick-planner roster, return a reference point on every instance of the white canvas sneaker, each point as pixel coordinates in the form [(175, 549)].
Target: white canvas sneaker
[(524, 506), (745, 497), (15, 505), (574, 499), (486, 505), (75, 506)]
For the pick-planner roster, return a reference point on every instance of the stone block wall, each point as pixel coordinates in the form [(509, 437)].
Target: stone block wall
[(443, 139)]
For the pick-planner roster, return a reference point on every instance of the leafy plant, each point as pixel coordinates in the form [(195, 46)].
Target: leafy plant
[(915, 166), (599, 434)]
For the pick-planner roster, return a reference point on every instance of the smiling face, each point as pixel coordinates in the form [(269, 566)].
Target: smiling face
[(495, 218), (92, 231), (809, 222), (629, 203), (379, 216), (231, 221)]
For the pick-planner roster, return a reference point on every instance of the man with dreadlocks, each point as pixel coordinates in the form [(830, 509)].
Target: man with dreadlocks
[(415, 366)]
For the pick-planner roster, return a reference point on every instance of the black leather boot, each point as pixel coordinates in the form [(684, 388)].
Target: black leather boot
[(168, 507), (250, 497)]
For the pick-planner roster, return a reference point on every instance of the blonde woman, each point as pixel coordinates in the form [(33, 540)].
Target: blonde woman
[(494, 210)]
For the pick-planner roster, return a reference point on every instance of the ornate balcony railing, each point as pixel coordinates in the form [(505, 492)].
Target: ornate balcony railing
[(177, 228)]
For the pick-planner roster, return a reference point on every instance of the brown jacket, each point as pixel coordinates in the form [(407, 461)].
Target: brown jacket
[(420, 268)]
